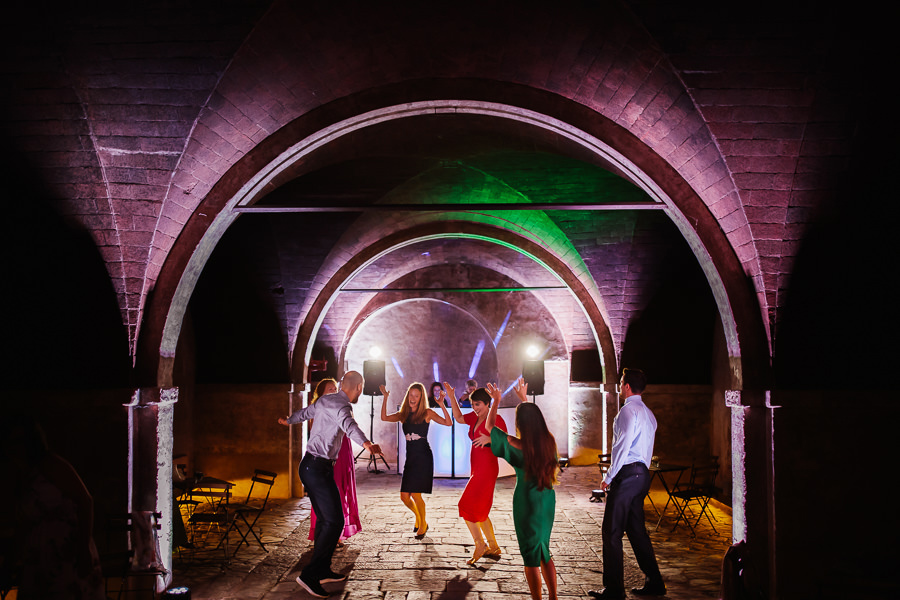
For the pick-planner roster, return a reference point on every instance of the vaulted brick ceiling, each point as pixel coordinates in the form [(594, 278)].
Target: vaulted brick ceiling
[(133, 113), (629, 253)]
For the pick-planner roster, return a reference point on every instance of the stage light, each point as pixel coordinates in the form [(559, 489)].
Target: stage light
[(374, 351), (397, 367), (476, 359), (502, 328), (182, 593), (532, 351)]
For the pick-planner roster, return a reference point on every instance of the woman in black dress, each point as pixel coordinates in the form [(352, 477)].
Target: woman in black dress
[(418, 471)]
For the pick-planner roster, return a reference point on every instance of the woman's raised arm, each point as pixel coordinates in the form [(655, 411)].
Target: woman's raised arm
[(390, 418), (445, 420), (496, 395), (522, 389), (454, 404)]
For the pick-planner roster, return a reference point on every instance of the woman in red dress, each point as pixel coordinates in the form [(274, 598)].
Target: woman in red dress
[(478, 497)]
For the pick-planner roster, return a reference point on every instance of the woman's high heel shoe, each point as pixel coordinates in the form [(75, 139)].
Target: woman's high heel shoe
[(479, 552)]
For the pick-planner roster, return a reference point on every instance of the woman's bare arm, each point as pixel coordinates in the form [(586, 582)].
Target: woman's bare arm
[(496, 395), (522, 389), (454, 403), (390, 418), (441, 420)]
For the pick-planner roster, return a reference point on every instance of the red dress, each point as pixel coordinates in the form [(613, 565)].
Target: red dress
[(476, 500)]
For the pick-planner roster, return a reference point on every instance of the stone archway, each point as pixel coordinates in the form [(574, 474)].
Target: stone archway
[(738, 307), (341, 276)]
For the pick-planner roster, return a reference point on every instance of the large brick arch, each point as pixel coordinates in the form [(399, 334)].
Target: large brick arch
[(461, 259), (297, 61), (308, 328), (249, 176)]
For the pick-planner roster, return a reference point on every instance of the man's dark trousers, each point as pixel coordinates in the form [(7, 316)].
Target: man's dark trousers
[(625, 514), (317, 476)]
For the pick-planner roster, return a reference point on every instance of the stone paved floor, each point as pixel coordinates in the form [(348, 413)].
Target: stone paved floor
[(386, 562)]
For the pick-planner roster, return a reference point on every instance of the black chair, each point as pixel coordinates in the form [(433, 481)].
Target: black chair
[(243, 511), (219, 520), (604, 463), (698, 491), (117, 561)]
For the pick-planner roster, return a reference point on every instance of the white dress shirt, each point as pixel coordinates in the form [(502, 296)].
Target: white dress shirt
[(634, 431), (333, 419)]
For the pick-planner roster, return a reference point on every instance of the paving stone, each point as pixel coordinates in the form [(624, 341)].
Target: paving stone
[(386, 562)]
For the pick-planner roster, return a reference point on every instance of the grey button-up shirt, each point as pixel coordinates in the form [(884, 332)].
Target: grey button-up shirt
[(333, 419)]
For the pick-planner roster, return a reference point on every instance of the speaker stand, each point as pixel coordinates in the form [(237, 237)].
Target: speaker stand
[(373, 458)]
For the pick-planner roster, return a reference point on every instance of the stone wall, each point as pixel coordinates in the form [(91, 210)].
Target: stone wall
[(234, 427), (691, 419), (88, 428), (235, 431)]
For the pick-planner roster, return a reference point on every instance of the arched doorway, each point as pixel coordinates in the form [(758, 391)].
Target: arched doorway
[(668, 193)]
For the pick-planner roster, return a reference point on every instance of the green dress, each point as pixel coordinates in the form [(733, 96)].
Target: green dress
[(533, 510)]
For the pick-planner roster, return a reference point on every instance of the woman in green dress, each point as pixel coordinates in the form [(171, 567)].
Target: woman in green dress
[(533, 456)]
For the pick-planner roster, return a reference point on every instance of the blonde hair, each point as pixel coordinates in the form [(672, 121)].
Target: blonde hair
[(320, 389), (419, 415)]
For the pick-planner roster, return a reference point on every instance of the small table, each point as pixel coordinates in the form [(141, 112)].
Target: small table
[(657, 471), (214, 490)]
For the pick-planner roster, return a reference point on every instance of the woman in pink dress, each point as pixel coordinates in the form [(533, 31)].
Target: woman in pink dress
[(344, 475)]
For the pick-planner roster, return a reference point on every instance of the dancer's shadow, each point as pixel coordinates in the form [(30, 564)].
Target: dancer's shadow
[(457, 589), (348, 556)]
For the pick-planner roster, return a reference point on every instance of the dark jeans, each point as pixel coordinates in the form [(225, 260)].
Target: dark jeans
[(317, 476), (625, 515)]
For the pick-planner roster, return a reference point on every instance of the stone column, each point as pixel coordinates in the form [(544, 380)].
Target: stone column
[(753, 486), (150, 439), (297, 440)]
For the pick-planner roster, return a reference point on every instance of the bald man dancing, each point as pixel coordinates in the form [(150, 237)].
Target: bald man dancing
[(333, 418)]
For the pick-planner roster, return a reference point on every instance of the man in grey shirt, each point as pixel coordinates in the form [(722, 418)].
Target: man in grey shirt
[(333, 419)]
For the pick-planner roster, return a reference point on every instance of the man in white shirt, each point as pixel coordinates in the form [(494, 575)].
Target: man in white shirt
[(628, 481), (333, 419)]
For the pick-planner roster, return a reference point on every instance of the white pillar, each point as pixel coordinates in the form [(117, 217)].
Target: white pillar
[(150, 438)]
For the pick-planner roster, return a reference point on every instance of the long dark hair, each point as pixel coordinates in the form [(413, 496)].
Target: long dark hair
[(538, 446)]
